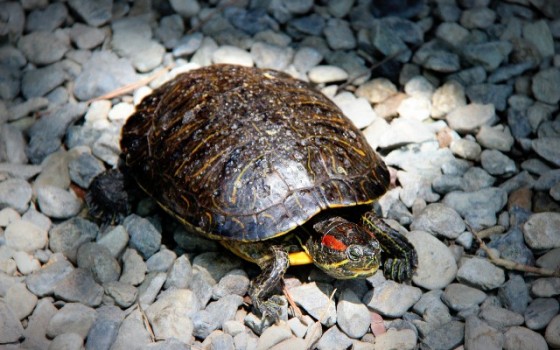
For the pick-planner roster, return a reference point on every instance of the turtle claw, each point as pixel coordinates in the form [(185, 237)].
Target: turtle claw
[(274, 309)]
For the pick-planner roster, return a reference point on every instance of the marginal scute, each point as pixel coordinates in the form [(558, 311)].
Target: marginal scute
[(248, 154)]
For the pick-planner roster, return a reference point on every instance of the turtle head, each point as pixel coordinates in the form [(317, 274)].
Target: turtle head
[(344, 249)]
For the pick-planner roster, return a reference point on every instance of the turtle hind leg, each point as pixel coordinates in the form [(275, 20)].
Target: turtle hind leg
[(262, 286), (107, 199), (400, 256)]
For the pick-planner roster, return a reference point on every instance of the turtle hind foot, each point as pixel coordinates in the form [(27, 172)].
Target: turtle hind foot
[(107, 199)]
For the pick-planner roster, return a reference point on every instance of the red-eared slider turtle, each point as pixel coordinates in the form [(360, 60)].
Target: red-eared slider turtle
[(271, 168)]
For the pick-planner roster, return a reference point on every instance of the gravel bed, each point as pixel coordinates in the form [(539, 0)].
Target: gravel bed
[(465, 113)]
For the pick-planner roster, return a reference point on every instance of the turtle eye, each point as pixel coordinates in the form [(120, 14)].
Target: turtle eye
[(355, 252)]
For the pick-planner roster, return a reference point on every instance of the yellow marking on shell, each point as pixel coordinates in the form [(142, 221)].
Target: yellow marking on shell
[(187, 202), (309, 168), (188, 159), (209, 162), (237, 182), (209, 216), (336, 139), (237, 221), (300, 258)]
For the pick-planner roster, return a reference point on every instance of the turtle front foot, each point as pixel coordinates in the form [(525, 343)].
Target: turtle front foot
[(262, 286), (399, 270)]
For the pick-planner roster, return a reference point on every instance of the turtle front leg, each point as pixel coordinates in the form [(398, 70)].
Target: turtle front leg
[(262, 286), (401, 259)]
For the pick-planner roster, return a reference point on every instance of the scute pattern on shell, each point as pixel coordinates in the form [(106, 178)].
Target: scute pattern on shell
[(247, 154)]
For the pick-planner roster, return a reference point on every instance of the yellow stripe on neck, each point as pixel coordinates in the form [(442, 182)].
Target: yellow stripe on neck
[(300, 258)]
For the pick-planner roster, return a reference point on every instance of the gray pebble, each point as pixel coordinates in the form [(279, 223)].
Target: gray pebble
[(548, 148), (440, 220), (131, 333), (447, 336), (218, 312), (466, 149), (170, 30), (35, 332), (538, 33), (540, 312), (42, 47), (44, 281), (144, 237), (170, 315), (86, 37), (306, 25), (523, 338), (476, 179), (67, 341), (460, 297), (333, 339), (314, 298), (432, 273), (392, 299), (150, 288), (47, 19), (134, 267), (180, 274), (71, 318), (45, 134), (232, 55), (124, 294), (306, 58), (234, 282), (15, 25), (22, 235), (496, 137), (102, 73), (272, 336), (79, 286), (546, 287), (11, 330), (489, 54), (186, 8), (271, 56), (129, 42), (339, 35), (514, 294), (500, 318), (352, 316), (161, 261), (552, 334), (215, 265), (547, 179), (95, 14), (39, 82), (58, 203), (541, 230), (326, 74), (358, 110), (187, 44), (84, 169), (478, 18), (478, 208), (20, 300), (496, 94), (480, 273), (104, 330), (69, 235), (497, 163), (545, 85), (470, 117), (16, 194), (98, 259), (479, 335)]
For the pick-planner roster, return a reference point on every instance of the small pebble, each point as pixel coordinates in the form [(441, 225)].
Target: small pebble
[(480, 273)]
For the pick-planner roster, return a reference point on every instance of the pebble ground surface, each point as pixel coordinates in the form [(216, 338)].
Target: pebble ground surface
[(465, 112)]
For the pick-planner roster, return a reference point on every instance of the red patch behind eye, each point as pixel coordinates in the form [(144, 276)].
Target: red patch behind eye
[(333, 243)]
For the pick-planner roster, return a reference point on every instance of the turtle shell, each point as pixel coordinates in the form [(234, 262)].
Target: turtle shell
[(248, 154)]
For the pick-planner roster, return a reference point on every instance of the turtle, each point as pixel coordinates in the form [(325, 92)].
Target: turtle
[(268, 166)]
